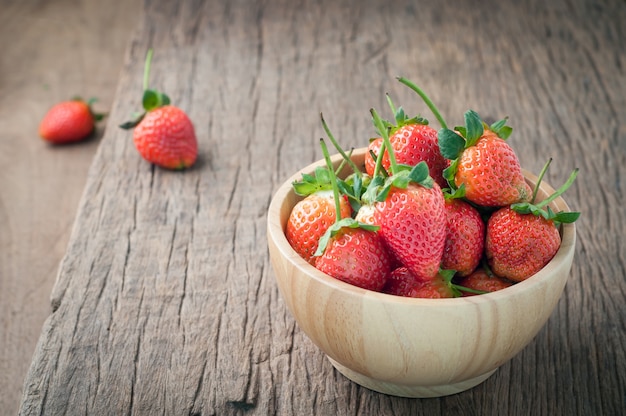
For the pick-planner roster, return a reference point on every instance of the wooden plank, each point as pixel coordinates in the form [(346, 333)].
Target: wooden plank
[(166, 303), (51, 51)]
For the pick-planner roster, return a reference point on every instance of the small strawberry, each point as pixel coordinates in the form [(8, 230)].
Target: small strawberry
[(410, 213), (312, 216), (372, 151), (481, 281), (523, 238), (484, 163), (351, 251), (413, 141), (163, 134), (465, 237), (401, 282), (69, 121)]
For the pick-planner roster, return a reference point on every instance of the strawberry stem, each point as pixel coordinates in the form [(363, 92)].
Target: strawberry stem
[(382, 129), (426, 99), (539, 179), (333, 180), (146, 69), (558, 192), (343, 154)]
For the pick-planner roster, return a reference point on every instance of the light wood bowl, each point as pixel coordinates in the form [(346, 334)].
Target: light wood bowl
[(412, 347)]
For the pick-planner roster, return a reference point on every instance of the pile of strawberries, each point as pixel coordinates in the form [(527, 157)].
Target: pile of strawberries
[(436, 214)]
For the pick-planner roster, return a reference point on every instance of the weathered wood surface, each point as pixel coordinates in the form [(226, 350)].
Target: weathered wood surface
[(165, 302), (51, 51)]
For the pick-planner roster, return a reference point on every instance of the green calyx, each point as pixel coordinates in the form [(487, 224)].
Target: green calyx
[(152, 99), (537, 209)]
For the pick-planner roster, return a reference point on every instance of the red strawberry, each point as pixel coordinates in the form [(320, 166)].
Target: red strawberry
[(412, 225), (522, 238), (370, 162), (351, 251), (68, 121), (163, 134), (484, 164), (356, 256), (166, 137), (309, 219), (413, 141), (481, 281), (465, 237), (401, 282), (410, 213)]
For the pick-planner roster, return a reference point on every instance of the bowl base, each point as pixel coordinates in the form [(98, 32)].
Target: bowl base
[(402, 390)]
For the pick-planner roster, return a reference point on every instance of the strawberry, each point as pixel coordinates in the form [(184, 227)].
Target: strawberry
[(410, 213), (351, 251), (523, 238), (465, 237), (310, 218), (401, 282), (356, 256), (413, 141), (69, 121), (163, 134), (481, 281), (483, 163), (372, 149)]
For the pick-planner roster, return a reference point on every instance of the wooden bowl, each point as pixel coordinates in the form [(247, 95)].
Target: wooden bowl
[(412, 347)]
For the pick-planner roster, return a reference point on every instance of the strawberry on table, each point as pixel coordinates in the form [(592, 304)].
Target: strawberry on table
[(163, 134), (69, 121), (523, 238)]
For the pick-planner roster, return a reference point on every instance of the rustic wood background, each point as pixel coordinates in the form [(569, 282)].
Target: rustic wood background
[(165, 301), (51, 51)]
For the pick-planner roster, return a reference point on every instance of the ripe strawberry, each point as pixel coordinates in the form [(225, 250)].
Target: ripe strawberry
[(484, 164), (166, 137), (401, 282), (372, 148), (351, 251), (523, 238), (411, 216), (310, 218), (413, 141), (481, 281), (68, 121), (465, 237), (356, 256), (163, 134)]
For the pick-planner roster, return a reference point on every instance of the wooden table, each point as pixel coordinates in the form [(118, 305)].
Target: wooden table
[(166, 302)]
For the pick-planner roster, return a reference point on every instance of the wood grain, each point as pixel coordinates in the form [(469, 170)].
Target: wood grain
[(51, 51), (166, 302)]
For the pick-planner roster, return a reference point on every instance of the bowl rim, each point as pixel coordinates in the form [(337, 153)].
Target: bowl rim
[(275, 231)]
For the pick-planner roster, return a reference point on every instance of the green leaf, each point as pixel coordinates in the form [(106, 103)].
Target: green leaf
[(449, 172), (474, 126), (450, 144), (420, 174), (133, 123), (501, 129), (153, 99), (566, 217)]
